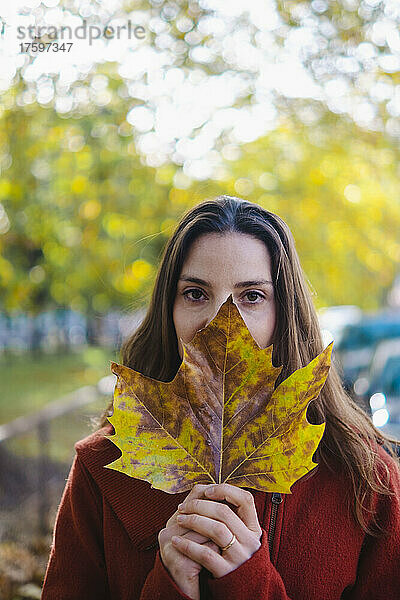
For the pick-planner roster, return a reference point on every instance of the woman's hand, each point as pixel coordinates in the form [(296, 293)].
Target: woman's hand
[(219, 522), (182, 568)]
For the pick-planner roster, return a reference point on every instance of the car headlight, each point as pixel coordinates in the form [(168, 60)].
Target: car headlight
[(361, 386), (377, 401), (380, 417)]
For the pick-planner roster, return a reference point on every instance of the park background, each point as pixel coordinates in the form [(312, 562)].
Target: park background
[(103, 146)]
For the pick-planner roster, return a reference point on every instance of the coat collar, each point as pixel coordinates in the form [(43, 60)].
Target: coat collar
[(142, 510)]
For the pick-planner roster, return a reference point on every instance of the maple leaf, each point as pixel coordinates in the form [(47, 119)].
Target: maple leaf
[(219, 420)]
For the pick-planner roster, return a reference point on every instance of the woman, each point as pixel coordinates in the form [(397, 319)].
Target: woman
[(337, 535)]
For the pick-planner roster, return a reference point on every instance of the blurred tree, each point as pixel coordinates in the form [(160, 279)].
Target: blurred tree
[(85, 210), (91, 235), (78, 209), (352, 50), (337, 187)]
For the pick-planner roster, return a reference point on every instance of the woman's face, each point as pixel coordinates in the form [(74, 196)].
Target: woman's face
[(219, 264)]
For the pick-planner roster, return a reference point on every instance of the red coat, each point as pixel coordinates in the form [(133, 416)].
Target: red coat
[(106, 534)]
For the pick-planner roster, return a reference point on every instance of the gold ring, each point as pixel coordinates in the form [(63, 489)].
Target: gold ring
[(230, 543)]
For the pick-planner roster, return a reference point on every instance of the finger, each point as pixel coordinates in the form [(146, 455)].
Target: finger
[(190, 533), (213, 546), (202, 554), (196, 492), (217, 531), (239, 497), (216, 513), (193, 535)]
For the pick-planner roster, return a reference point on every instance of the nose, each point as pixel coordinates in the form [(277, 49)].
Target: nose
[(214, 310)]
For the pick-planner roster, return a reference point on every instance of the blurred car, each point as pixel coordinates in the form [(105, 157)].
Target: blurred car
[(334, 319), (357, 346), (383, 351), (380, 387)]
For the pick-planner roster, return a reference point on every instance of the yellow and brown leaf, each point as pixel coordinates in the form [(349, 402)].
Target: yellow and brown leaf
[(219, 420)]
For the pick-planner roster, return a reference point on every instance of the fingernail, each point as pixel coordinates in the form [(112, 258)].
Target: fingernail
[(180, 506)]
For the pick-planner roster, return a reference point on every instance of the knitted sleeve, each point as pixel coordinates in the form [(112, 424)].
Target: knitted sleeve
[(255, 578)]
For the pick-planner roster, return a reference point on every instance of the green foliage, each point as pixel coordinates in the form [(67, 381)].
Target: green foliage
[(76, 226), (50, 377)]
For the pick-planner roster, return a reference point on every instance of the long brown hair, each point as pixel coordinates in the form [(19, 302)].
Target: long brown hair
[(349, 441)]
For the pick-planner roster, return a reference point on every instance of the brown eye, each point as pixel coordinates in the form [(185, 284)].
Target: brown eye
[(193, 291), (253, 297)]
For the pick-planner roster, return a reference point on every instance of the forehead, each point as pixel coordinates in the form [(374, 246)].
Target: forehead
[(241, 255)]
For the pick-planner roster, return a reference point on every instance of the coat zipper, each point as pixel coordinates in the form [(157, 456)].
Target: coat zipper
[(276, 499)]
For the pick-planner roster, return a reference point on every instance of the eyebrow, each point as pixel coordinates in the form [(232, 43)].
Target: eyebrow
[(240, 284)]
